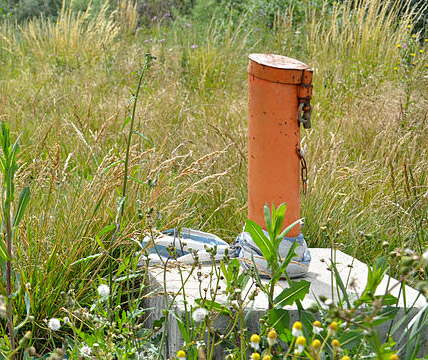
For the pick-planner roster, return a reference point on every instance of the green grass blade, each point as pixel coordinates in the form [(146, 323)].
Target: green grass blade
[(24, 198)]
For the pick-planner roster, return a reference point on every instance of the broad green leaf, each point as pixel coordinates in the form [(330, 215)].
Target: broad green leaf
[(387, 313), (297, 291), (24, 198), (350, 339), (389, 299), (279, 319), (260, 239), (306, 317), (285, 263)]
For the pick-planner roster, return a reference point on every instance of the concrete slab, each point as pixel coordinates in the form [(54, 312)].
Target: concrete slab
[(320, 276)]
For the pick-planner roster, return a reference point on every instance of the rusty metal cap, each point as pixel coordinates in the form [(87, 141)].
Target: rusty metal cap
[(279, 69)]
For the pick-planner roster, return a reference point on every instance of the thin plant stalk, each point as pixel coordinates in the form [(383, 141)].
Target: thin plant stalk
[(121, 211), (9, 313)]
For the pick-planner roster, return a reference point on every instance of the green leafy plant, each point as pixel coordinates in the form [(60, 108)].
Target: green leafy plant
[(8, 167), (269, 246)]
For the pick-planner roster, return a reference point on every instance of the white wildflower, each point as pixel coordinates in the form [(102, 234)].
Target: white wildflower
[(425, 255), (255, 342), (85, 350), (316, 327), (66, 320), (296, 331), (271, 337), (54, 324), (103, 290), (199, 315)]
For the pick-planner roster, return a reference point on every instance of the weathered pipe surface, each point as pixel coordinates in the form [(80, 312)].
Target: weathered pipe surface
[(275, 92)]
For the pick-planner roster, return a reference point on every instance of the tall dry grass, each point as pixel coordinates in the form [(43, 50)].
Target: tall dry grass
[(66, 85)]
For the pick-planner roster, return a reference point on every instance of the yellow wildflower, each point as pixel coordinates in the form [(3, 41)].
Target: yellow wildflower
[(333, 327), (255, 341), (316, 344), (297, 329), (271, 337), (301, 343), (335, 343)]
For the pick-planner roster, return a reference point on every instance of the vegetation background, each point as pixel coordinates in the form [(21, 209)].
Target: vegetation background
[(66, 72)]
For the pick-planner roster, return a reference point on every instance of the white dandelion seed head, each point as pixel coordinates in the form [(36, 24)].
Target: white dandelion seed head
[(199, 314), (85, 350), (54, 324), (103, 290), (66, 320)]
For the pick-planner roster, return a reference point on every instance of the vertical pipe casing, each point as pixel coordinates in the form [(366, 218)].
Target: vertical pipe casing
[(274, 83)]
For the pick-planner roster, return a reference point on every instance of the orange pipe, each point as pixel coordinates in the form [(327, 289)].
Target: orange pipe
[(276, 85)]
